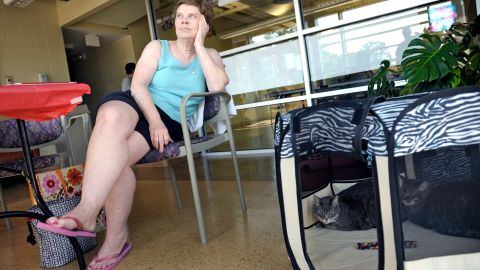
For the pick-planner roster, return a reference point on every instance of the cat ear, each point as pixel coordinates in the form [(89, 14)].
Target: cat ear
[(401, 179), (424, 186), (335, 200)]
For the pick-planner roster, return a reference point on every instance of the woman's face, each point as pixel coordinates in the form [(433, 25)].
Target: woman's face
[(186, 21)]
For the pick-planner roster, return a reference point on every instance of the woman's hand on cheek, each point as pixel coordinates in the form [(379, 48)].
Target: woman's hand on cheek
[(202, 32), (160, 136)]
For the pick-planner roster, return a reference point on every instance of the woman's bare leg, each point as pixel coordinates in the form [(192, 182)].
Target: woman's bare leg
[(119, 204), (119, 201), (107, 157)]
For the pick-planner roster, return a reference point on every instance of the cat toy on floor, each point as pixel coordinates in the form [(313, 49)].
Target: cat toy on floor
[(374, 245)]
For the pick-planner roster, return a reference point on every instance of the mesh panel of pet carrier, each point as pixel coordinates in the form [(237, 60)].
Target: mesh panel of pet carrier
[(317, 171), (339, 200), (336, 185), (345, 236), (439, 202), (329, 128)]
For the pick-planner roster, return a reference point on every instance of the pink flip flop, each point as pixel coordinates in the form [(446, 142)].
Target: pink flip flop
[(63, 231), (109, 262)]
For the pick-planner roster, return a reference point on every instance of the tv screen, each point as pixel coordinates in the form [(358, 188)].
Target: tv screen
[(441, 16)]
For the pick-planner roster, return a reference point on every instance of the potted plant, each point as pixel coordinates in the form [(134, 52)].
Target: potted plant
[(434, 61)]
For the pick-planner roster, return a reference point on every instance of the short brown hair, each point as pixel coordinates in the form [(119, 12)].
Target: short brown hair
[(205, 7)]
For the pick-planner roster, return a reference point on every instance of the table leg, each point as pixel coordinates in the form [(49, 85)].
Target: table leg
[(30, 167), (38, 197)]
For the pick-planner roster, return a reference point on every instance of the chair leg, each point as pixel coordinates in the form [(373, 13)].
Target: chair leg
[(4, 207), (196, 197), (87, 127), (70, 157), (206, 173), (174, 182), (235, 166), (64, 160)]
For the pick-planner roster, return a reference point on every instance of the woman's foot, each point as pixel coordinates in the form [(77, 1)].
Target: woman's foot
[(110, 261), (74, 220), (75, 232), (110, 254)]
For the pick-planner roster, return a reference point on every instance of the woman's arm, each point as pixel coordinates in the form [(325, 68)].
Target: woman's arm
[(210, 60), (144, 72)]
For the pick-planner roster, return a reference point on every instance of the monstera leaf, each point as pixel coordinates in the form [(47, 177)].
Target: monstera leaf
[(471, 71), (474, 58), (379, 83), (427, 59)]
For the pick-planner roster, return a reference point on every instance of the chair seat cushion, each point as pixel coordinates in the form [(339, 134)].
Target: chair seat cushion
[(172, 150), (39, 163)]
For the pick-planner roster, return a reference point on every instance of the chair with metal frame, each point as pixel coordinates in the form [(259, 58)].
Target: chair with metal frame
[(215, 111), (40, 135), (80, 113)]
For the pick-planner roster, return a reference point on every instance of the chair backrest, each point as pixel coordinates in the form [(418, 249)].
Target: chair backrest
[(38, 132), (214, 109), (40, 135)]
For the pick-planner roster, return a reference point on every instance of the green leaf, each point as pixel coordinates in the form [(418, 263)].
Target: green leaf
[(427, 59), (379, 84), (456, 79), (474, 58), (406, 90)]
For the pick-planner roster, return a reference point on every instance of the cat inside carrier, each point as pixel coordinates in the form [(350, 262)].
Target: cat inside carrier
[(420, 209), (439, 201), (340, 216), (432, 169), (325, 185)]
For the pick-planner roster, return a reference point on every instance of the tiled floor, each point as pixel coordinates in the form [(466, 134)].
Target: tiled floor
[(165, 237)]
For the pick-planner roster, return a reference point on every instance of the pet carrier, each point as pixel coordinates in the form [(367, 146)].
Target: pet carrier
[(408, 141)]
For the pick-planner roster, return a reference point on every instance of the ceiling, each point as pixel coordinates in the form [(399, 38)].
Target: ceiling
[(120, 14), (236, 18), (265, 16)]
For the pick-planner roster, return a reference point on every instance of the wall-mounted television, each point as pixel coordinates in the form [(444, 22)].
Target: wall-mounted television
[(441, 16)]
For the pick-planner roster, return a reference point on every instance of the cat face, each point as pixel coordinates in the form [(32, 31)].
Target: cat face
[(327, 210), (413, 192)]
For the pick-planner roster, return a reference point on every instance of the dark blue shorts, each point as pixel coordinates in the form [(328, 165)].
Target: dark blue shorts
[(174, 127)]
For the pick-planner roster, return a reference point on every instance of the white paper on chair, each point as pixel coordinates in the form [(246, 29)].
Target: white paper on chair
[(220, 127), (196, 121)]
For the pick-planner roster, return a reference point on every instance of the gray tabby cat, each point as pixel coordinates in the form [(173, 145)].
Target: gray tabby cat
[(351, 209), (452, 208)]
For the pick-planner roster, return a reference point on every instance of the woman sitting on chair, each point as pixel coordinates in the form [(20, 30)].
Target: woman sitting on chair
[(129, 124)]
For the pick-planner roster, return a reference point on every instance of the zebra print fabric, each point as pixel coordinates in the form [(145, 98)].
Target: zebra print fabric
[(286, 147), (387, 112), (328, 129), (331, 129), (449, 121), (280, 125), (449, 165)]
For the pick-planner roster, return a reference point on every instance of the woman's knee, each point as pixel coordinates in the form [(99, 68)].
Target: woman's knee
[(113, 114)]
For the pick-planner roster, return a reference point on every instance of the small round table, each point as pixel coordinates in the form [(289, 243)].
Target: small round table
[(39, 102)]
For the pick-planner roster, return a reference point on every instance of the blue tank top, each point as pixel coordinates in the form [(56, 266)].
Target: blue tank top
[(173, 80)]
